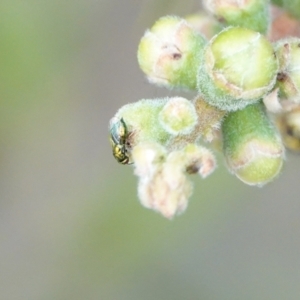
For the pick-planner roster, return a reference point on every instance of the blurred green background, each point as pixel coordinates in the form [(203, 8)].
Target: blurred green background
[(71, 226)]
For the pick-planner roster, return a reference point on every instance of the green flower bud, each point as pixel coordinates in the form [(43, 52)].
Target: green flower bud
[(251, 145), (178, 116), (238, 68), (169, 53), (252, 14), (288, 79)]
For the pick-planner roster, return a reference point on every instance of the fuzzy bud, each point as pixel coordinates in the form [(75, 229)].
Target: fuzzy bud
[(165, 196), (165, 188), (169, 53), (239, 68), (178, 116), (251, 145)]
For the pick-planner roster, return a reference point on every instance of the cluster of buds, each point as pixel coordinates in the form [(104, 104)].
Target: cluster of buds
[(242, 81)]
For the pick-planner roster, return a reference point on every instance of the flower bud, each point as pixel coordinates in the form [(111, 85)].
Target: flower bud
[(167, 189), (288, 79), (238, 68), (169, 53), (178, 116), (165, 196), (252, 14), (251, 145)]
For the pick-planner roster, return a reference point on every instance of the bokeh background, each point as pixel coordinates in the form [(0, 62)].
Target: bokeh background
[(71, 226)]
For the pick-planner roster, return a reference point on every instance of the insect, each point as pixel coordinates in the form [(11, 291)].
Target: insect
[(289, 125), (118, 140)]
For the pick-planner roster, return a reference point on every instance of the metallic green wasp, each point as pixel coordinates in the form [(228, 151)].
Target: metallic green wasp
[(118, 140)]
